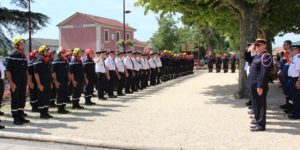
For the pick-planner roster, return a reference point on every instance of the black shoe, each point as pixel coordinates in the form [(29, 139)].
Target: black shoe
[(102, 98), (62, 110), (25, 115), (44, 116), (289, 111), (250, 112), (89, 103), (112, 96), (1, 113), (121, 94), (48, 115), (68, 101), (2, 127), (18, 121), (293, 117), (52, 105), (24, 120), (249, 103), (128, 92), (257, 129)]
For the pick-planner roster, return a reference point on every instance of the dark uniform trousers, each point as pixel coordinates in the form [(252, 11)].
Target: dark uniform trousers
[(101, 84), (260, 106), (89, 88), (53, 94), (1, 91), (76, 91), (44, 97), (121, 83), (62, 93), (33, 95), (136, 81), (129, 81), (159, 75), (111, 82), (294, 95), (153, 76), (18, 99)]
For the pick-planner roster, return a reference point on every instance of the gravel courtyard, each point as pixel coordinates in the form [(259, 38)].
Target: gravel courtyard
[(193, 112)]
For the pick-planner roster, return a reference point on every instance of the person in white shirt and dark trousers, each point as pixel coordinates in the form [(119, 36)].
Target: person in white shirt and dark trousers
[(129, 67), (102, 74), (113, 74), (153, 70), (122, 72)]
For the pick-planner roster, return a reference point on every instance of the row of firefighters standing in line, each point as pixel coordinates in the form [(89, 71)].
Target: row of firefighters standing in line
[(219, 61), (63, 79)]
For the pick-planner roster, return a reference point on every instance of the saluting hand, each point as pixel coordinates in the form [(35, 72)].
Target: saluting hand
[(260, 91)]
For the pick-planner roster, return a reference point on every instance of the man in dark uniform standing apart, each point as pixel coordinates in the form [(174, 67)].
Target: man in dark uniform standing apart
[(225, 63), (42, 74), (258, 77), (60, 76), (89, 76), (16, 71)]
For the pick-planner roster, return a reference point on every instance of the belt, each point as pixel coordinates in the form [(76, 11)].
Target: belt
[(292, 77)]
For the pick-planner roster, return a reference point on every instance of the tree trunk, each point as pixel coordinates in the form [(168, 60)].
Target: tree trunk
[(248, 33)]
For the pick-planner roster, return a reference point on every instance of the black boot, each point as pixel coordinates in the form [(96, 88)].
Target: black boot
[(78, 105), (89, 102), (22, 118), (68, 100), (62, 110), (43, 114), (47, 113), (17, 119), (34, 108)]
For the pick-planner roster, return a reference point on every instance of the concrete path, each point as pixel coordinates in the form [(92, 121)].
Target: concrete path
[(193, 112)]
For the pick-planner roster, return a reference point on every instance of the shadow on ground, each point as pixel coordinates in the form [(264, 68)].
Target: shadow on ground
[(277, 121), (99, 110)]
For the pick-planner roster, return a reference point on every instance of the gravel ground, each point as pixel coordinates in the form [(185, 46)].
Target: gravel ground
[(194, 112)]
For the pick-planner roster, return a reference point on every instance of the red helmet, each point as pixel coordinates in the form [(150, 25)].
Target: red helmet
[(89, 51), (61, 50), (69, 53), (32, 53)]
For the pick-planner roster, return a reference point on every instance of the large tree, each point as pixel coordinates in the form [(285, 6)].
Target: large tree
[(246, 15), (16, 21)]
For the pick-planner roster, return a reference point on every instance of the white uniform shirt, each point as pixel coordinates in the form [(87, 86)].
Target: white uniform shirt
[(100, 65), (157, 61), (152, 63), (128, 63), (2, 69), (294, 69), (110, 64), (138, 59), (136, 65), (143, 63), (120, 65)]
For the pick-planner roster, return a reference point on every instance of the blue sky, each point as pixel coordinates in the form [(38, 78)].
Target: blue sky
[(58, 10)]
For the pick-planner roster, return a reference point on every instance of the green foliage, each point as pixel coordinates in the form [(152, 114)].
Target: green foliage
[(16, 21)]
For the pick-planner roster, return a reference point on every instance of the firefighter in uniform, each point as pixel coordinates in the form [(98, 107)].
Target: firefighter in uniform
[(232, 63), (102, 74), (210, 62), (225, 63), (33, 88), (52, 104), (218, 63), (76, 77), (89, 76), (294, 80), (16, 71), (60, 76), (153, 70), (258, 78), (69, 56), (42, 73)]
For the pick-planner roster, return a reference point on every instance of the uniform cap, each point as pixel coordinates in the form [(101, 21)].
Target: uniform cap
[(260, 41)]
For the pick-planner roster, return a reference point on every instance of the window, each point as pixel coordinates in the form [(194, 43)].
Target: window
[(127, 36), (118, 36), (106, 36)]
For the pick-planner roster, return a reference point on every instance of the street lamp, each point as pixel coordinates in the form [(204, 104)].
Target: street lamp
[(29, 24), (124, 26)]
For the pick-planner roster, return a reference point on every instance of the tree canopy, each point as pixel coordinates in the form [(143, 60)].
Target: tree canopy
[(241, 20)]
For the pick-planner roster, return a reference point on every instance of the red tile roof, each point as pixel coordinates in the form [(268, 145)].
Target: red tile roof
[(100, 20), (139, 43)]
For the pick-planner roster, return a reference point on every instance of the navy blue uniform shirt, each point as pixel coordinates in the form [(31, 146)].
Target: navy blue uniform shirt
[(17, 65)]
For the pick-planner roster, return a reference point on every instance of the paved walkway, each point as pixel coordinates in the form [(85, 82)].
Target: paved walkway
[(194, 112)]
